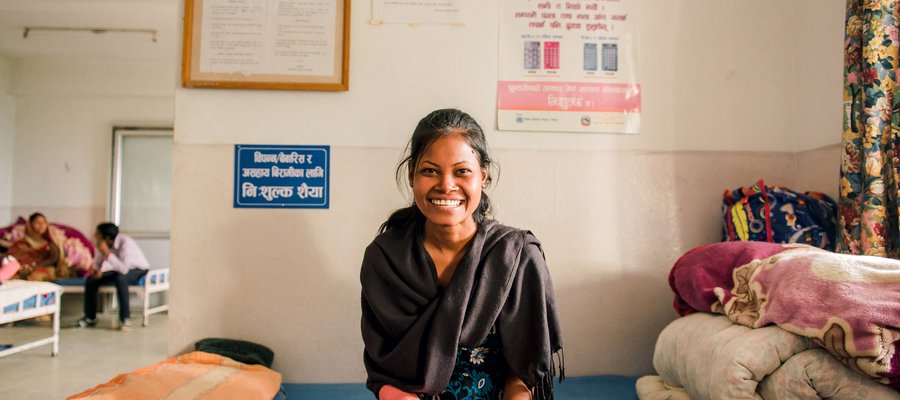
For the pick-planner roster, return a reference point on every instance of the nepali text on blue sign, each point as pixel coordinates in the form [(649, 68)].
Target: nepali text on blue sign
[(275, 176)]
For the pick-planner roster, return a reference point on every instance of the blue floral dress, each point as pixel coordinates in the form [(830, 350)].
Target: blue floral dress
[(478, 374)]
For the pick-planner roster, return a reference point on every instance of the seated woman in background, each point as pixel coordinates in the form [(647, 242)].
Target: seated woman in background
[(455, 305), (39, 253)]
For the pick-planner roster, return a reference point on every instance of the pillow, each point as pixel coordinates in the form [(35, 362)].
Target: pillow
[(8, 268), (238, 350), (10, 233)]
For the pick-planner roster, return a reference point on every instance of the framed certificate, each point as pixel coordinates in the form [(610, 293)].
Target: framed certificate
[(266, 44)]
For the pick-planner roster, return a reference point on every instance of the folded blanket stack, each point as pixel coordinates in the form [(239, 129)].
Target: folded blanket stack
[(847, 304), (707, 356)]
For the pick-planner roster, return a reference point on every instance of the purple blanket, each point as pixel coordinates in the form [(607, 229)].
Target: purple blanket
[(850, 305)]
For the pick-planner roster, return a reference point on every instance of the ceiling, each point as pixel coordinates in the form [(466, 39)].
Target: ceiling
[(158, 15)]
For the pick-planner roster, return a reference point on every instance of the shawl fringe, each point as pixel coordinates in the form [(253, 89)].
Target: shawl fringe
[(543, 389)]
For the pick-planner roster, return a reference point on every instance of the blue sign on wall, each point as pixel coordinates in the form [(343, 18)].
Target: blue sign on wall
[(273, 176)]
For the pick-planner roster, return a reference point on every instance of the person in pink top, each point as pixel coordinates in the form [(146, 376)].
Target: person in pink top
[(119, 260)]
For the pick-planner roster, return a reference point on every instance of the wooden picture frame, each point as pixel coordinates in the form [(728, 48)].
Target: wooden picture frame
[(256, 45)]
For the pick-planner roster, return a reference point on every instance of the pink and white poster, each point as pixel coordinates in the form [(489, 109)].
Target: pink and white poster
[(568, 66)]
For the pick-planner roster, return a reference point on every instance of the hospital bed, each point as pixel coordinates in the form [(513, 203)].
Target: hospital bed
[(20, 300)]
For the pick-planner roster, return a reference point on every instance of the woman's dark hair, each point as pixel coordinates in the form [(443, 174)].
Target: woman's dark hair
[(108, 230), (35, 216), (435, 125)]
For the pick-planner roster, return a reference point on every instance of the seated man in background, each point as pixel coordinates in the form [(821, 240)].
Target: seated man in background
[(119, 260)]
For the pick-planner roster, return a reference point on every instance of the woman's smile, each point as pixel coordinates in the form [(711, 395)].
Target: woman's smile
[(446, 202)]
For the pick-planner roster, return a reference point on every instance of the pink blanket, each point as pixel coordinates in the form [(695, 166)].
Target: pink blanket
[(850, 305)]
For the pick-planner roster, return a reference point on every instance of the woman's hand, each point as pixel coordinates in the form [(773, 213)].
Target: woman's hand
[(515, 389), (25, 270), (389, 392)]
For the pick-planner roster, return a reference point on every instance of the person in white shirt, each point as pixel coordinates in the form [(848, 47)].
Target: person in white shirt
[(118, 260)]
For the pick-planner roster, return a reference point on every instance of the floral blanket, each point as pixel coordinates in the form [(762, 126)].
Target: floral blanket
[(77, 249), (847, 304)]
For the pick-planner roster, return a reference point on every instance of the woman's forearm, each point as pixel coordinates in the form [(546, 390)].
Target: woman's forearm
[(52, 257), (515, 389), (389, 392)]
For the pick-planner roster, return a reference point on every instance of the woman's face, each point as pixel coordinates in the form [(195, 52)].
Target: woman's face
[(39, 225), (447, 182)]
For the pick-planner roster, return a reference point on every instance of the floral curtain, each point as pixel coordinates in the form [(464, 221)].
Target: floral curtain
[(870, 159)]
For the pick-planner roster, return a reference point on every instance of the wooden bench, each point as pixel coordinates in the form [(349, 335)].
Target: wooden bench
[(156, 281)]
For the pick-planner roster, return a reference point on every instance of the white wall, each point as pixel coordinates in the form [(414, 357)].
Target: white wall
[(720, 110), (65, 112), (4, 75), (7, 133), (763, 81), (817, 38), (715, 76), (819, 169)]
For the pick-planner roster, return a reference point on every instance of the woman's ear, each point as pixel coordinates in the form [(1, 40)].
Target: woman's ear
[(484, 178)]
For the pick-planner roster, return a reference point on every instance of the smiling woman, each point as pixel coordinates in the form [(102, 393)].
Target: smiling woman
[(447, 123), (447, 184), (454, 304)]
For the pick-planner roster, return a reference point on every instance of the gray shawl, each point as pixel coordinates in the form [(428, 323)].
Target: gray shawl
[(412, 328)]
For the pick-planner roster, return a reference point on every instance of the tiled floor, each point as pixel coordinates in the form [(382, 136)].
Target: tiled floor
[(87, 357)]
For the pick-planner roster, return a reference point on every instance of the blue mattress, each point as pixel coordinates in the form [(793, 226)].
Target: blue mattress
[(603, 387), (80, 282)]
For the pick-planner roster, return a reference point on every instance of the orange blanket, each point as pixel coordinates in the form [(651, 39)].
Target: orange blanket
[(195, 375)]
